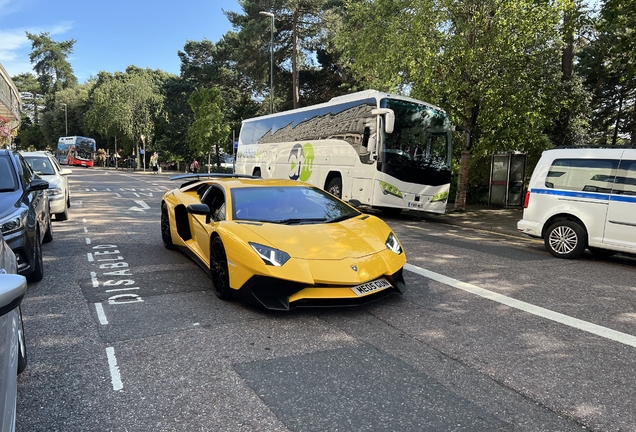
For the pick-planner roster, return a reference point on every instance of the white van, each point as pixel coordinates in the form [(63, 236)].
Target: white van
[(582, 198)]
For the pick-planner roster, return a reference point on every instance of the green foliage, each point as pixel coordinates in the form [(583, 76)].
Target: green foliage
[(209, 130), (50, 62)]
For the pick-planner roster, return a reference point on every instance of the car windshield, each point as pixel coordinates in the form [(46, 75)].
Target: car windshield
[(288, 205), (40, 165), (7, 178)]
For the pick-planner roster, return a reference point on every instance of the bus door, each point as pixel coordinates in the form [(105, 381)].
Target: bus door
[(620, 225)]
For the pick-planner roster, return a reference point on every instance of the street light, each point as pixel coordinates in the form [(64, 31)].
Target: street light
[(271, 72), (65, 119)]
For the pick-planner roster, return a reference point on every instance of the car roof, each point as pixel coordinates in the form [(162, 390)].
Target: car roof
[(35, 153), (236, 181)]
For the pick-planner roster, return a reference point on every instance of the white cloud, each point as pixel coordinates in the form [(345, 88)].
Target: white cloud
[(16, 47)]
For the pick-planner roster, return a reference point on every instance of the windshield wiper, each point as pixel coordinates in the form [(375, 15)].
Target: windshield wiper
[(292, 221), (341, 218)]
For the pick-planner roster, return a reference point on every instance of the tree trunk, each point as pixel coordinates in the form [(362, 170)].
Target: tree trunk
[(295, 91), (462, 181)]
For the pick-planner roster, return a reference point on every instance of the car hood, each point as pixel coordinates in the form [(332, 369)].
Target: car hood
[(54, 181), (353, 238), (9, 202)]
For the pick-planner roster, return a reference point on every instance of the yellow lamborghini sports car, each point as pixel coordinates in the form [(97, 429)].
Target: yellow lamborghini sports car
[(281, 244)]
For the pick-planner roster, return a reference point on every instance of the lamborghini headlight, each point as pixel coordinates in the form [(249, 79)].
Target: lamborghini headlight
[(393, 244), (270, 256)]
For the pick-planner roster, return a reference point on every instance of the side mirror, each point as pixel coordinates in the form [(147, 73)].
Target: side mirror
[(355, 203), (12, 290), (38, 184), (200, 209), (389, 118)]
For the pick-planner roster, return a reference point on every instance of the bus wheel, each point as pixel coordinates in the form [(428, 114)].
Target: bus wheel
[(257, 172), (334, 187)]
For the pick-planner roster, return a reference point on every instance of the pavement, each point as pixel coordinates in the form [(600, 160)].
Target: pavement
[(497, 219)]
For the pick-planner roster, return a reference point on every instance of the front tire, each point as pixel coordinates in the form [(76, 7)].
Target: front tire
[(166, 236), (48, 234), (565, 239), (219, 270), (62, 216), (22, 354), (38, 265)]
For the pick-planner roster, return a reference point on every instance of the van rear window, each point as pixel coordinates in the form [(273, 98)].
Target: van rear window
[(587, 175)]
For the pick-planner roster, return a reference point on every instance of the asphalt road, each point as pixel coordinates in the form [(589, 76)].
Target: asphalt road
[(492, 334)]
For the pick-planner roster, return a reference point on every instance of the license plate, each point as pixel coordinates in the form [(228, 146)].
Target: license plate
[(369, 287)]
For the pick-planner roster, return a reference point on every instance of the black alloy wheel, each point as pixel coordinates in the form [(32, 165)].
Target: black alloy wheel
[(219, 270), (166, 236)]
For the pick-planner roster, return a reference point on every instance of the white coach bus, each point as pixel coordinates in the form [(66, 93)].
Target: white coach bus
[(385, 151)]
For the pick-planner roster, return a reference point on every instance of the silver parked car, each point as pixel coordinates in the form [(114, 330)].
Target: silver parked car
[(48, 168), (13, 358)]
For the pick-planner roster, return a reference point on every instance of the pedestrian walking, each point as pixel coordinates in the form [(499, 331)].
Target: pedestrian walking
[(154, 163), (194, 167)]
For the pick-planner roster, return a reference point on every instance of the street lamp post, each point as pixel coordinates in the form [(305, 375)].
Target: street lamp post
[(271, 55), (65, 119)]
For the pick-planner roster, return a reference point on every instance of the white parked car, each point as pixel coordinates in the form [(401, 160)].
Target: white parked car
[(49, 169), (13, 358), (582, 198)]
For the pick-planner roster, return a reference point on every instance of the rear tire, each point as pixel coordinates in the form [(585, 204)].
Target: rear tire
[(334, 187), (565, 239), (219, 270), (257, 172), (166, 235), (22, 354)]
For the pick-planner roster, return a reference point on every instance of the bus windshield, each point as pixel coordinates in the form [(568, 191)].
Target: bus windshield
[(420, 140)]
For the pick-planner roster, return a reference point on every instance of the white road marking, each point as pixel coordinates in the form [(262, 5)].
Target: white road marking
[(90, 257), (83, 220), (94, 279), (85, 229), (576, 323), (115, 378), (88, 241), (100, 314), (142, 204)]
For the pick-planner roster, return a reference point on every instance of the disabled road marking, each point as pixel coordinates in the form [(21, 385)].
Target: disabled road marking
[(585, 326)]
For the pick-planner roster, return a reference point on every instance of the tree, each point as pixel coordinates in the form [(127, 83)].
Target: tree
[(609, 67), (50, 62), (296, 40), (491, 64), (209, 129), (127, 105)]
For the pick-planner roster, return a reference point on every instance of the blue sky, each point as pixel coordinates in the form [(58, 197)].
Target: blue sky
[(111, 34)]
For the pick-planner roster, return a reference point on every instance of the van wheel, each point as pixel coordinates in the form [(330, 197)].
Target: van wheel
[(565, 239)]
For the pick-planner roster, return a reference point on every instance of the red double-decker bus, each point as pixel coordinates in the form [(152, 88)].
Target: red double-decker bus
[(76, 150)]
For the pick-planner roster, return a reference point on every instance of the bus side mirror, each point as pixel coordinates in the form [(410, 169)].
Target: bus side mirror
[(389, 118)]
